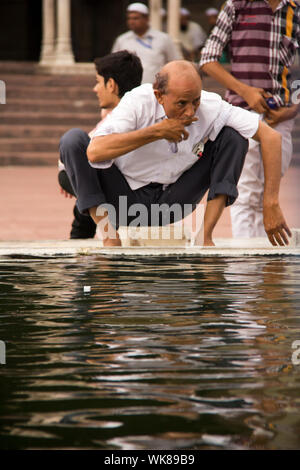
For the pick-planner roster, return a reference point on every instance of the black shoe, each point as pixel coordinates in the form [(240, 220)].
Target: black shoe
[(83, 226)]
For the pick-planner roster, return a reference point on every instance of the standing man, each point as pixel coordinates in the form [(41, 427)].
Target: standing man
[(153, 47), (211, 17), (192, 37), (263, 36), (168, 144)]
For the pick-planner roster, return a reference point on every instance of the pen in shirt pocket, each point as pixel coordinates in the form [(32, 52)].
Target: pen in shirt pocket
[(174, 146)]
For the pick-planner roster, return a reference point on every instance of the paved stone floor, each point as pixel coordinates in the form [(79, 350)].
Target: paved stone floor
[(32, 207)]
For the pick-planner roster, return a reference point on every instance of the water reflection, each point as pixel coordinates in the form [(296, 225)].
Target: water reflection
[(162, 353)]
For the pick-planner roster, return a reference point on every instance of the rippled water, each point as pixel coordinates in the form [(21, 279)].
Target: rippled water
[(163, 353)]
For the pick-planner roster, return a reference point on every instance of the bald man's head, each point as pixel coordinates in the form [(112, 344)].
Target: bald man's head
[(178, 88), (175, 71)]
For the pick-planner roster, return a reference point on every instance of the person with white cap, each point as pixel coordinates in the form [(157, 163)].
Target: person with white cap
[(192, 37), (211, 16), (154, 48)]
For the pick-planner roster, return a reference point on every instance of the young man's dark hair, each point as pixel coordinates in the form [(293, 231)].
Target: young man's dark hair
[(125, 68)]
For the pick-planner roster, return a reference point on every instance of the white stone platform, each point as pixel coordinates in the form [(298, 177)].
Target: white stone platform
[(225, 247)]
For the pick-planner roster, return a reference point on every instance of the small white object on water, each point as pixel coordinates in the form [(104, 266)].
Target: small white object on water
[(86, 288)]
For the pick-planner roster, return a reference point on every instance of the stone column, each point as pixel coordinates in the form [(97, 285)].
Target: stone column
[(48, 42), (173, 21), (155, 15), (64, 53)]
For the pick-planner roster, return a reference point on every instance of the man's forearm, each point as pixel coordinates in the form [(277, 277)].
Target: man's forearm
[(254, 97), (270, 142), (114, 145), (111, 146), (219, 73), (284, 113)]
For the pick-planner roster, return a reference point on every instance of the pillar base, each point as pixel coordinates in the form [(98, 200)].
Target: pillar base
[(64, 60)]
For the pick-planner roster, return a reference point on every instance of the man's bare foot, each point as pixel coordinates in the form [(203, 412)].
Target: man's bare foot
[(112, 242), (198, 240), (208, 242)]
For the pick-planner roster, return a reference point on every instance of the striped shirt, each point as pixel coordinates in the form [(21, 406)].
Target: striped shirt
[(263, 45)]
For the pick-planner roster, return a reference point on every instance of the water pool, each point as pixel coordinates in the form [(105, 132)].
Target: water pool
[(162, 353)]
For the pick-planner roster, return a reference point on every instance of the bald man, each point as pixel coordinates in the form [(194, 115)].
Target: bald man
[(169, 143)]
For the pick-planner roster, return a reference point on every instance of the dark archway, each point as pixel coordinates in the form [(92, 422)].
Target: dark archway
[(95, 25), (21, 30)]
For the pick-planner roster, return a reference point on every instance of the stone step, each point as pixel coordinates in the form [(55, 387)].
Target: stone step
[(44, 118), (42, 144), (33, 68), (21, 131), (10, 67), (19, 105), (29, 158), (26, 80), (36, 92)]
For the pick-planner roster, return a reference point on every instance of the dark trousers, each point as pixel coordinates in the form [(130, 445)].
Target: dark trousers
[(83, 226), (217, 171)]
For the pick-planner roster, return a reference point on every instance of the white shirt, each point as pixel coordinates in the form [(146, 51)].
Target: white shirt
[(155, 162), (155, 49)]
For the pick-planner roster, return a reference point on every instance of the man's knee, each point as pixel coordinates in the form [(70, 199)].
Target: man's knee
[(73, 139), (235, 139)]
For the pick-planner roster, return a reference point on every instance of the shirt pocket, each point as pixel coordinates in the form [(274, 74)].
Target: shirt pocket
[(287, 50)]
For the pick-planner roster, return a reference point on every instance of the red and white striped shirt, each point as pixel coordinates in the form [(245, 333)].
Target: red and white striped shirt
[(263, 45)]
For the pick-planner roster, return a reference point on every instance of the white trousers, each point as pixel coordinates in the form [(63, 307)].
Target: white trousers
[(247, 211)]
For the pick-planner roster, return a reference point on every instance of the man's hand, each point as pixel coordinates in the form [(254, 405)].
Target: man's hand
[(275, 225), (174, 130), (274, 222), (111, 146), (65, 193), (256, 98), (275, 116)]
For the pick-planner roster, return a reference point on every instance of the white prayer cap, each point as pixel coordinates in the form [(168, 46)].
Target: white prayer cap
[(211, 12), (185, 12), (139, 7), (163, 12)]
